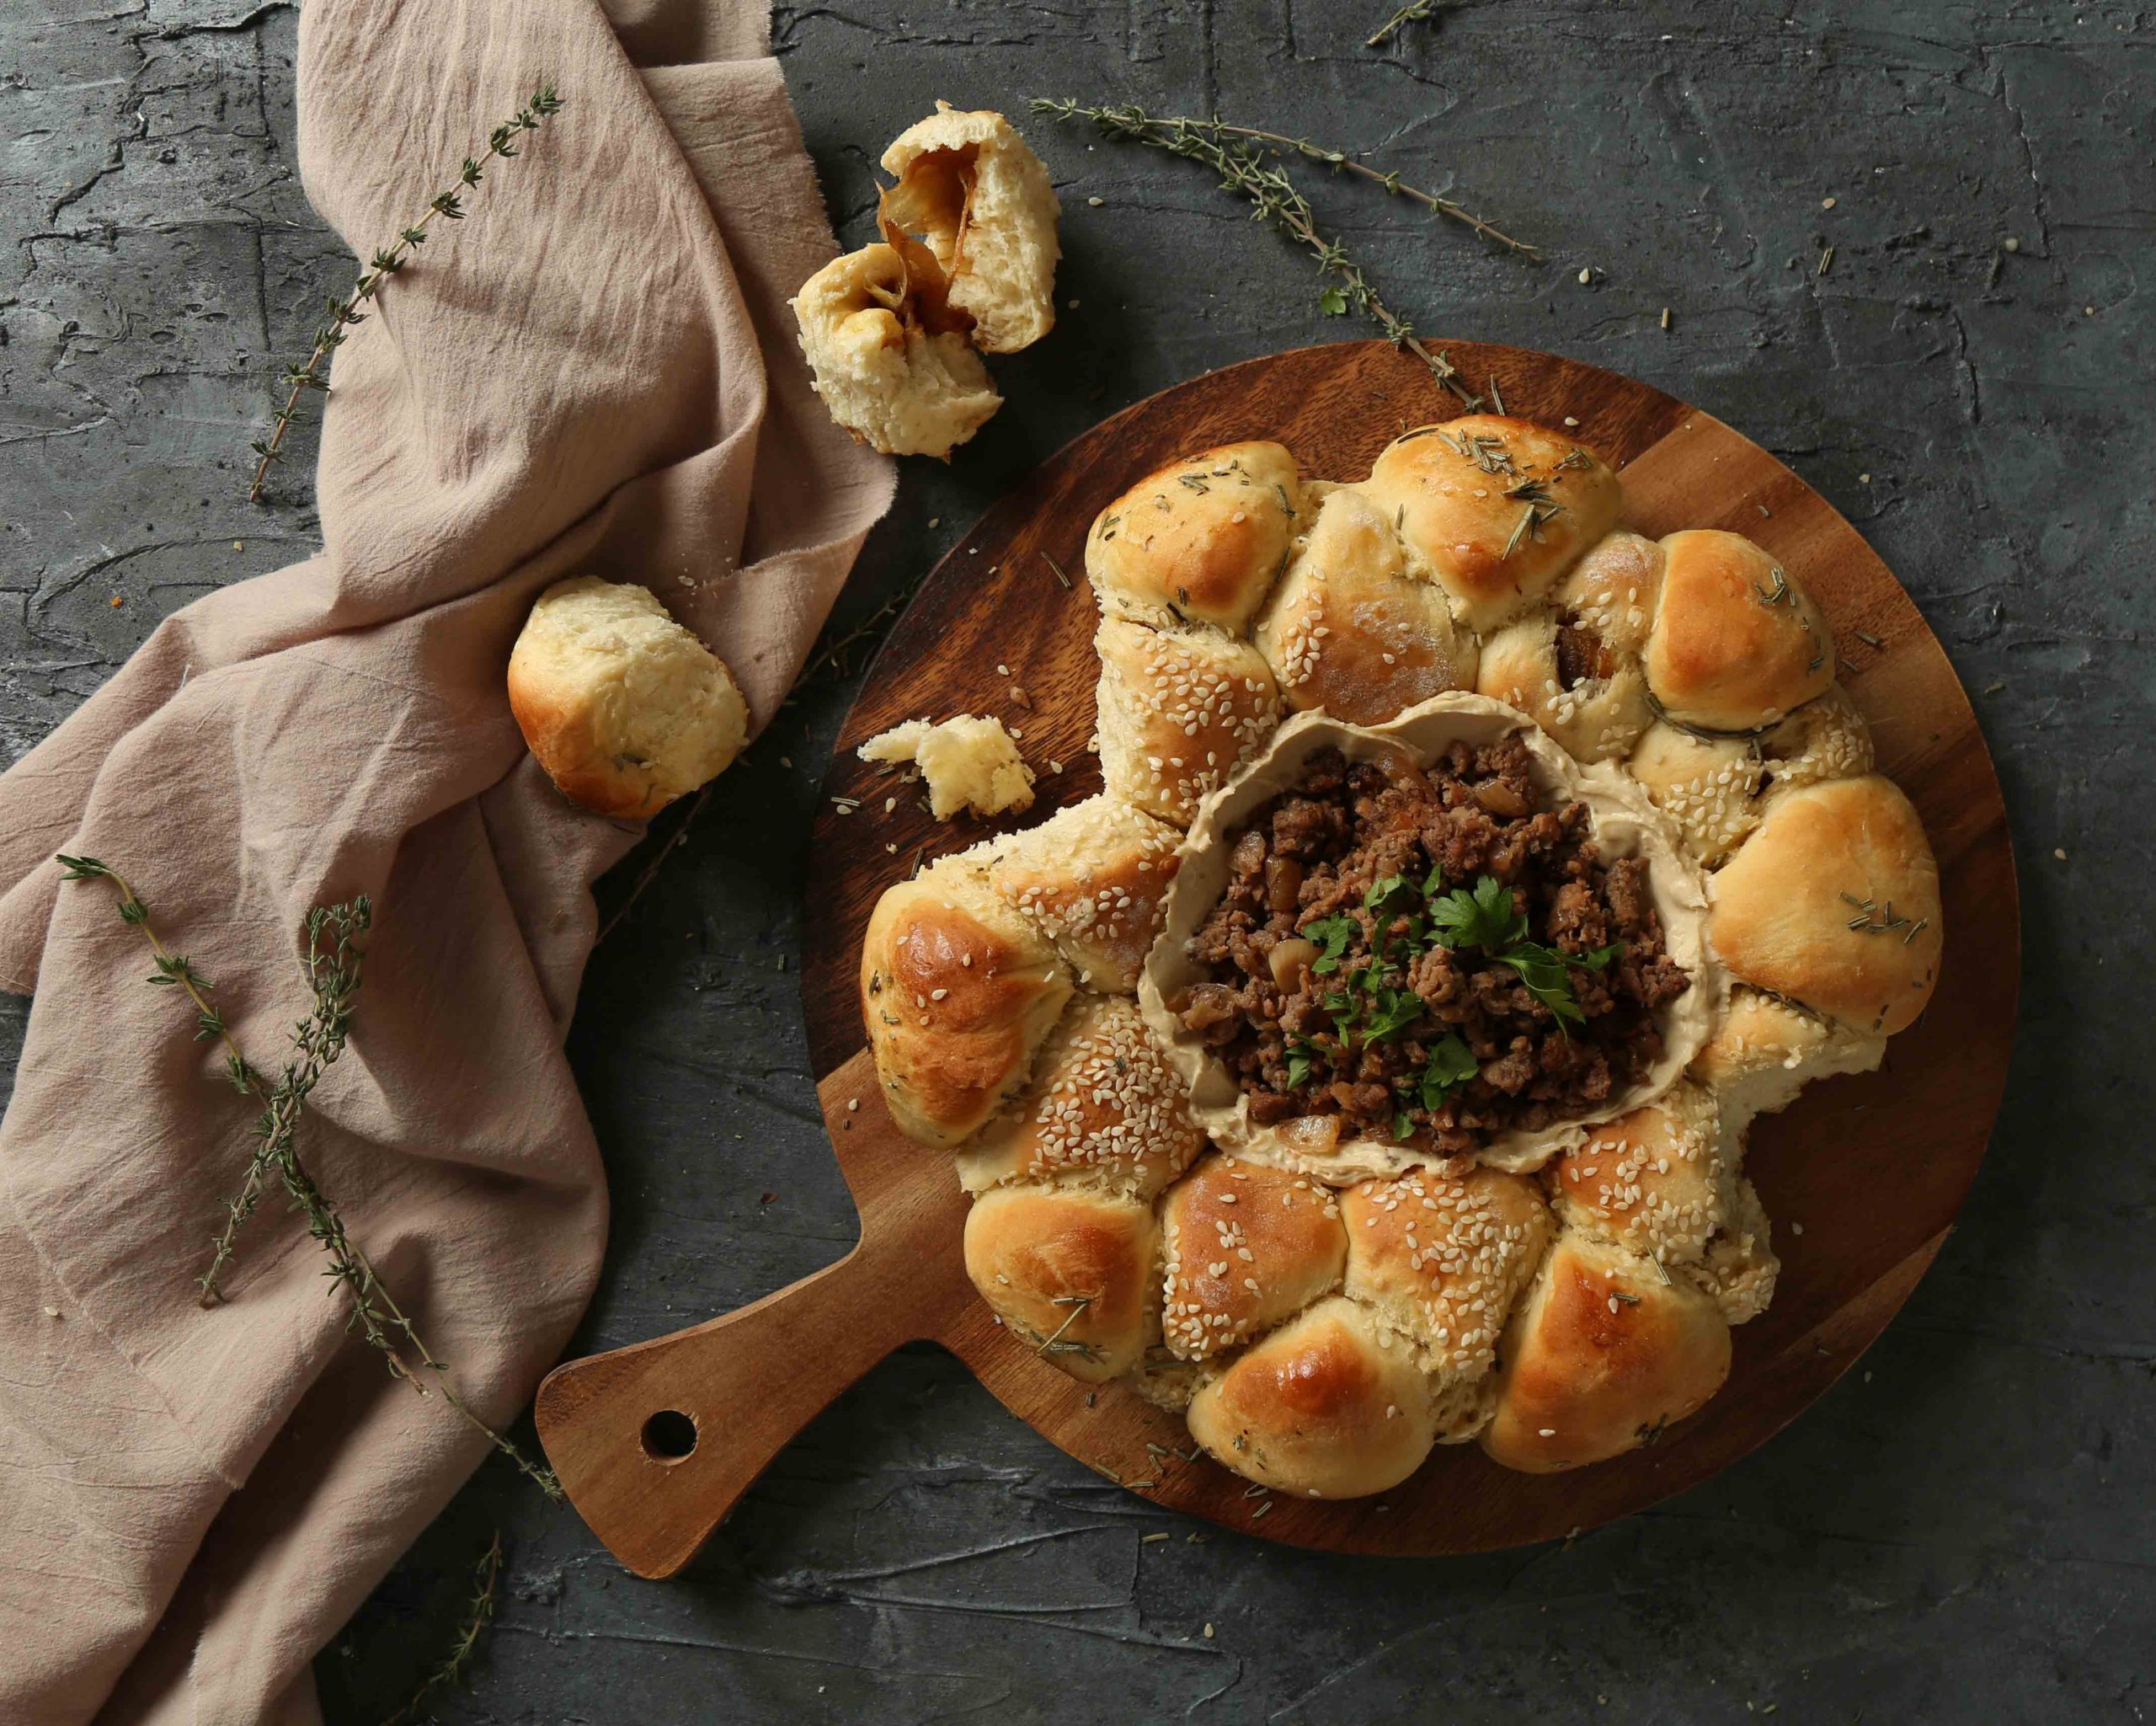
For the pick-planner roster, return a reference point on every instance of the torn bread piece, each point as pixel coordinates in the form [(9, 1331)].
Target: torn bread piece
[(969, 763), (887, 361), (979, 199)]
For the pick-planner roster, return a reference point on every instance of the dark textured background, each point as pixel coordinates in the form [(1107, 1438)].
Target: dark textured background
[(1964, 1528)]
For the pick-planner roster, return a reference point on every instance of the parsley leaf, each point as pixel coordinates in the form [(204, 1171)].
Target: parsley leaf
[(1451, 1064), (1395, 1010), (1300, 1057), (1542, 970), (1334, 933), (1601, 956), (1484, 918), (1403, 1124), (1435, 884), (1382, 891)]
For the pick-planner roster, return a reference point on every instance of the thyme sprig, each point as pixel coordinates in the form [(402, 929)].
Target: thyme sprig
[(1238, 155), (485, 1576), (333, 963), (387, 260), (1414, 12)]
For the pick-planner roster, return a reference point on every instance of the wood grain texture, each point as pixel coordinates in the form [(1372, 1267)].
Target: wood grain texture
[(1872, 1169)]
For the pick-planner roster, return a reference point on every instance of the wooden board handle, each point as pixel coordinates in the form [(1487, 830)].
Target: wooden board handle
[(656, 1443)]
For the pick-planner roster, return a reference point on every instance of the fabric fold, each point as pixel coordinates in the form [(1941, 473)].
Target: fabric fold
[(594, 372)]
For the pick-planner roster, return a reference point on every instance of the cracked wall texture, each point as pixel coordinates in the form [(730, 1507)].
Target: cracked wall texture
[(1963, 1530)]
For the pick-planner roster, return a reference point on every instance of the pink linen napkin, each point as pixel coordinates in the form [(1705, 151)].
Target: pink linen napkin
[(595, 372)]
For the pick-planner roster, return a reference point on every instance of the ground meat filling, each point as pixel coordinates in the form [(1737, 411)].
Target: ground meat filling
[(1430, 954)]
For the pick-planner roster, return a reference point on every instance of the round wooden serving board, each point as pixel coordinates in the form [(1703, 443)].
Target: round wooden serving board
[(1873, 1169)]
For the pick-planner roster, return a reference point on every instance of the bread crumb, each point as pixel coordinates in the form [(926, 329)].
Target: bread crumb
[(969, 763)]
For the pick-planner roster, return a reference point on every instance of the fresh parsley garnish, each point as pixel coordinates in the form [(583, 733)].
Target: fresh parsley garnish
[(1301, 1056), (1601, 956), (1403, 1124), (1483, 918), (1333, 933), (1382, 891), (1542, 970), (1451, 1064), (1393, 1011)]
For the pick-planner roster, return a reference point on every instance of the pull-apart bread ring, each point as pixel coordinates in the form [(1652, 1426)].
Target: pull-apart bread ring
[(1482, 869)]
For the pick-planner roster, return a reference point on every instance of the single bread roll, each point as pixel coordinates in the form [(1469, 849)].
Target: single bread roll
[(895, 383), (1247, 1245), (1834, 903), (1600, 1356), (1659, 1182), (1069, 1272), (1094, 879), (1178, 713), (1350, 632), (1441, 1258), (958, 992), (1715, 789), (971, 188), (624, 708), (1575, 668), (1765, 1050), (1327, 1406), (1497, 508), (1202, 541), (1105, 1109), (969, 763), (1737, 644)]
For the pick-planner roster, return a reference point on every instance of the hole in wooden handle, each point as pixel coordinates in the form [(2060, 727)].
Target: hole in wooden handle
[(668, 1436)]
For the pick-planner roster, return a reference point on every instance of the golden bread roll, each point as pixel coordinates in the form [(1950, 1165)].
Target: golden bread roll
[(1497, 508), (1659, 1181), (1105, 1109), (1070, 1273), (976, 193), (1349, 631), (1574, 668), (1178, 713), (1247, 1246), (1327, 1406), (958, 992), (1737, 644), (1441, 1257), (1739, 1270), (1600, 1356), (1716, 789), (624, 708), (1765, 1050), (1094, 879), (896, 384), (1834, 903), (1202, 541)]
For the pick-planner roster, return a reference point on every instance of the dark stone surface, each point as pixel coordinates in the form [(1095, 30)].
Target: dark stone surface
[(1962, 1530)]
